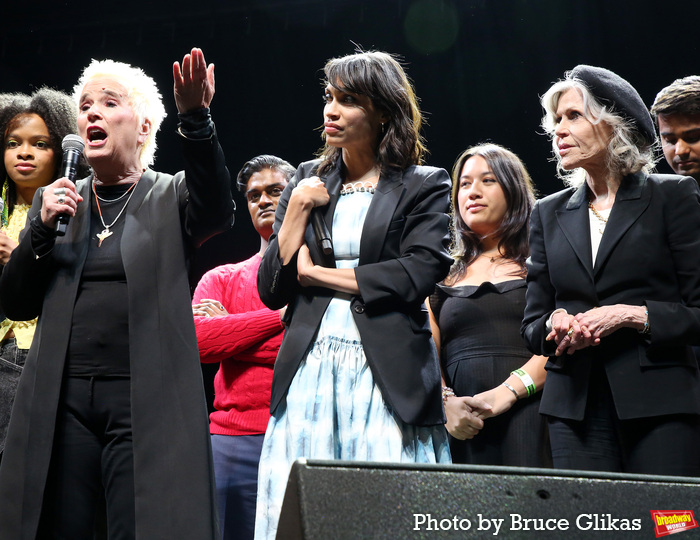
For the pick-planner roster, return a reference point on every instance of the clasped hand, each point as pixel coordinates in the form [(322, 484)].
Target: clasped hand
[(572, 333), (465, 416)]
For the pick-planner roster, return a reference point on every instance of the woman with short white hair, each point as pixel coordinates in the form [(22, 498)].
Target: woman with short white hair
[(110, 405)]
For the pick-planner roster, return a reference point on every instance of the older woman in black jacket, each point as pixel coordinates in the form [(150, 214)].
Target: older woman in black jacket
[(614, 287), (110, 404)]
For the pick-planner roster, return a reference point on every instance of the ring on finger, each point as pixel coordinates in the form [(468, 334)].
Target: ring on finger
[(570, 332), (61, 199), (61, 191)]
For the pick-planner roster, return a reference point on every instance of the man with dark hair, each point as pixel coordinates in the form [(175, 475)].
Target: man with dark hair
[(235, 328), (677, 111)]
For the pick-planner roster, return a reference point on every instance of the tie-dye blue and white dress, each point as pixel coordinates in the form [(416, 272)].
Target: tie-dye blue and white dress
[(333, 409)]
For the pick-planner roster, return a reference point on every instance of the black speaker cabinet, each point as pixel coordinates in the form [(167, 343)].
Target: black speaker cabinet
[(328, 500)]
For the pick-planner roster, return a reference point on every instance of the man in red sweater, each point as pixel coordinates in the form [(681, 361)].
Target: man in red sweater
[(236, 329)]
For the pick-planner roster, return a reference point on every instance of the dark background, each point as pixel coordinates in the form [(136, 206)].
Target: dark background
[(478, 66)]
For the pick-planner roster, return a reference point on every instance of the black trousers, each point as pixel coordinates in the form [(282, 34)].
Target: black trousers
[(666, 445), (92, 462)]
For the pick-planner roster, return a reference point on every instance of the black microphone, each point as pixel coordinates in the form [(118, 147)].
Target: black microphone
[(72, 150), (323, 235)]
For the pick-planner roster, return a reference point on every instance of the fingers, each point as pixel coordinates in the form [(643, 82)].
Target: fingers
[(476, 403), (187, 69), (578, 337), (197, 58), (177, 75), (573, 333), (312, 190), (208, 307), (60, 197), (194, 67), (465, 428), (560, 327), (210, 75), (310, 181), (461, 423), (193, 82), (210, 302), (199, 65)]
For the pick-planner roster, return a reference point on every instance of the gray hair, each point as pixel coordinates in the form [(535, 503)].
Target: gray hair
[(628, 151)]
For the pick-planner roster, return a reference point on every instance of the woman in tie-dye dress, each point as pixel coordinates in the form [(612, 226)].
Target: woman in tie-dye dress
[(357, 376)]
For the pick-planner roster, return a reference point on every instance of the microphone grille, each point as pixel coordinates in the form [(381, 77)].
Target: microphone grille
[(73, 142)]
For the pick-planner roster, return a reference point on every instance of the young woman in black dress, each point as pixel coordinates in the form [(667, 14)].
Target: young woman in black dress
[(491, 380)]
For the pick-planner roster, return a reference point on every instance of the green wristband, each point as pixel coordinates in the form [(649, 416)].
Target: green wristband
[(527, 381)]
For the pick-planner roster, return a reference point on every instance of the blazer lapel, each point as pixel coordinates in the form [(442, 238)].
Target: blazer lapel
[(148, 178), (381, 210), (575, 225), (631, 201), (134, 220)]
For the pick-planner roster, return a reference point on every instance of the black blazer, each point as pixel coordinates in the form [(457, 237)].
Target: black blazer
[(649, 255), (403, 253)]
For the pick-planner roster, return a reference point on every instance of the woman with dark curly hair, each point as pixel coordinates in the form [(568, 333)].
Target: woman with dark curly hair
[(476, 314), (32, 129)]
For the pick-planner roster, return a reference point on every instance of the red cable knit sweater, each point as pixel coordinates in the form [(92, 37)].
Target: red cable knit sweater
[(245, 342)]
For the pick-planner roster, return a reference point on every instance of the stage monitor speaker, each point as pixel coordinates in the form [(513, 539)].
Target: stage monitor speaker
[(329, 500)]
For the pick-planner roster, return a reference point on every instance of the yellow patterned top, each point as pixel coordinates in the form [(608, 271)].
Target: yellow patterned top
[(24, 330)]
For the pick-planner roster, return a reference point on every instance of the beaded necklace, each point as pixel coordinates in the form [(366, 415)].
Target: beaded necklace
[(357, 187)]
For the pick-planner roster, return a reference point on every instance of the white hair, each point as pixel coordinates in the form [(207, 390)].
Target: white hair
[(142, 94), (627, 153)]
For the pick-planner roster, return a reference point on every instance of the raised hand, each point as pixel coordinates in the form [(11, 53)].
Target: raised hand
[(194, 83)]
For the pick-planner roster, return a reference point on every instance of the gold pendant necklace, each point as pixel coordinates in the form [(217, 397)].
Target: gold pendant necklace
[(106, 233), (602, 220)]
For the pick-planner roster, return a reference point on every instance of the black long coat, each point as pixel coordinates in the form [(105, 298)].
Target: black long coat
[(167, 217)]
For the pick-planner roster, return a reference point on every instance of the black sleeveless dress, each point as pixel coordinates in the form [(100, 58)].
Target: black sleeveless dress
[(480, 345)]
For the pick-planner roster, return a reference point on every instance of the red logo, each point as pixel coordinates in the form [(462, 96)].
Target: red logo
[(672, 521)]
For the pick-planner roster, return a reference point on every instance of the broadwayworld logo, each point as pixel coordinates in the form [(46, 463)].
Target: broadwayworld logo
[(672, 521)]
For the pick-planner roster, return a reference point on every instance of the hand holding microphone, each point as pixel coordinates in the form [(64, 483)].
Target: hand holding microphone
[(318, 193), (60, 199), (72, 150)]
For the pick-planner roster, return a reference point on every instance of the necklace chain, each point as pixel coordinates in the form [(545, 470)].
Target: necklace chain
[(491, 258), (603, 221), (113, 200), (106, 232)]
